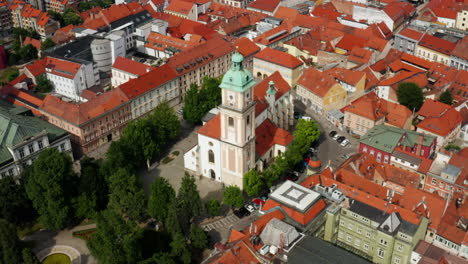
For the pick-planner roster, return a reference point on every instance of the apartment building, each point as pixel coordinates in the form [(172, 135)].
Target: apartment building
[(125, 69), (24, 138), (407, 40), (211, 58), (268, 61), (6, 21), (26, 16), (434, 49)]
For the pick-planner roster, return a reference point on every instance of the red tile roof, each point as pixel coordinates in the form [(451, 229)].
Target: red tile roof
[(37, 67), (316, 81), (360, 55), (461, 48), (432, 108), (180, 6), (412, 34), (268, 135), (246, 47), (34, 42), (63, 68), (327, 13), (442, 125), (163, 42), (286, 13), (212, 128), (131, 66), (281, 87), (348, 42), (445, 13), (434, 204), (362, 184), (79, 114), (301, 218), (240, 253), (148, 81), (259, 224), (278, 57), (265, 5), (437, 44), (346, 76)]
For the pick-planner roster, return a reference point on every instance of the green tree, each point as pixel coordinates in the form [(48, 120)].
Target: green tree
[(51, 185), (172, 224), (197, 102), (410, 95), (47, 44), (13, 58), (28, 52), (12, 75), (446, 98), (139, 134), (233, 196), (161, 196), (43, 84), (15, 207), (160, 258), (116, 241), (179, 248), (29, 257), (92, 189), (306, 133), (10, 250), (188, 201), (213, 207), (71, 18), (57, 17), (120, 155), (253, 183), (166, 124), (198, 237), (126, 194)]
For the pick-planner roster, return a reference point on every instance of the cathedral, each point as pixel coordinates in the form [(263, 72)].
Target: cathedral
[(249, 130)]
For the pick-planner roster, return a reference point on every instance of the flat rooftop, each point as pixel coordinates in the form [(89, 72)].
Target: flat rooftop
[(294, 195)]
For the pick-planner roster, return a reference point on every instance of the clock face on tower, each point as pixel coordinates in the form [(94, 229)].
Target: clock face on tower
[(231, 100)]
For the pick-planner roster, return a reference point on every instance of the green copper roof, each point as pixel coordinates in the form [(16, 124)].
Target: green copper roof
[(16, 126), (383, 137), (412, 138), (237, 78), (271, 89)]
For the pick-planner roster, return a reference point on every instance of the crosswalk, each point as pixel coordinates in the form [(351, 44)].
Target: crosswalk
[(221, 223)]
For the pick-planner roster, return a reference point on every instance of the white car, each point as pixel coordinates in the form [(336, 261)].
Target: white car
[(249, 208), (344, 143), (335, 137), (307, 118)]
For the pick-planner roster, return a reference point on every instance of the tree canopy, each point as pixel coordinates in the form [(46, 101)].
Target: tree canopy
[(410, 95), (198, 237), (197, 102), (446, 98), (188, 201), (126, 194), (43, 84), (180, 249), (15, 207), (115, 241), (11, 250), (253, 183), (47, 44), (51, 185), (162, 195), (233, 196), (213, 207)]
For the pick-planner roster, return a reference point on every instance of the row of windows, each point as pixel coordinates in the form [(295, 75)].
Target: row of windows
[(30, 148)]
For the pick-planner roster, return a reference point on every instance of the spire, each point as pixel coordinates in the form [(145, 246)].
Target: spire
[(237, 60), (271, 89)]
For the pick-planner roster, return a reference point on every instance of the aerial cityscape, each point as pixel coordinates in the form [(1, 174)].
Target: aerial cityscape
[(233, 131)]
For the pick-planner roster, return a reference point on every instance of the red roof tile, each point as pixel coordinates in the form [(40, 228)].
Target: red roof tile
[(63, 68), (445, 13), (34, 42), (259, 224), (432, 108), (278, 57), (348, 42), (442, 125), (131, 66), (346, 76), (360, 55), (268, 135), (265, 5), (316, 81), (246, 47), (37, 67), (148, 81), (437, 44), (286, 13), (180, 6), (301, 218), (212, 128), (461, 48), (412, 34)]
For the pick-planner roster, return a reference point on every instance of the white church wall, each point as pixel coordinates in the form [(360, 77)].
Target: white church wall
[(206, 143)]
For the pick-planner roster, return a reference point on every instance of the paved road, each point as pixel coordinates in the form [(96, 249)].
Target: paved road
[(329, 151), (226, 221)]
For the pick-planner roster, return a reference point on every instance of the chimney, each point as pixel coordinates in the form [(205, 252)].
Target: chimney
[(419, 146)]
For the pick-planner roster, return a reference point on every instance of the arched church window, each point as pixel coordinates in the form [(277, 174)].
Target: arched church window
[(231, 121), (211, 157), (248, 120)]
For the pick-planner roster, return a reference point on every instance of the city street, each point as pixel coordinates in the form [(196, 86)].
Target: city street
[(329, 151)]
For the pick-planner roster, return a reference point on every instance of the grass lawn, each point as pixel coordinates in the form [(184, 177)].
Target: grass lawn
[(167, 160), (57, 259), (176, 153)]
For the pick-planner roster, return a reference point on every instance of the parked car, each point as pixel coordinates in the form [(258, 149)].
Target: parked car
[(344, 143), (299, 167), (333, 133), (297, 115), (258, 201), (291, 177), (336, 136), (255, 205), (340, 139), (241, 212), (249, 208), (264, 197), (308, 118), (312, 150)]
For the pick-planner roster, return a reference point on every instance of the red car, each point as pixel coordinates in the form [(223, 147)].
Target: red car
[(258, 201)]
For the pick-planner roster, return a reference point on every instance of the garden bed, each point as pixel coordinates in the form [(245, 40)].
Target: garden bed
[(84, 234)]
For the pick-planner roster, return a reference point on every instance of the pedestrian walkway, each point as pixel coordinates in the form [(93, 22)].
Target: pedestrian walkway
[(220, 223), (72, 253)]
